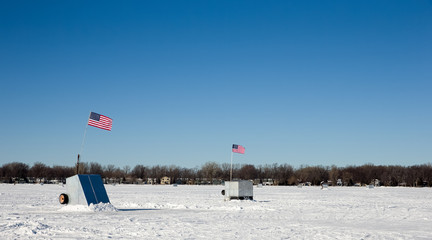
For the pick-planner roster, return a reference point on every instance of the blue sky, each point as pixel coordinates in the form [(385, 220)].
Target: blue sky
[(297, 82)]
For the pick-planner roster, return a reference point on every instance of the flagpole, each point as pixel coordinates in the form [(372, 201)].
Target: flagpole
[(82, 145), (231, 166)]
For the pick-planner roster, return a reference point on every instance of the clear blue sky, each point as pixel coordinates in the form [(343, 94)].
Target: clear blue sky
[(297, 82)]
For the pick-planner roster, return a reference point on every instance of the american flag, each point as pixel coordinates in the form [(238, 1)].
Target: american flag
[(238, 149), (100, 121)]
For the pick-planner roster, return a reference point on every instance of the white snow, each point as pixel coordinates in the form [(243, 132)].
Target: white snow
[(199, 212)]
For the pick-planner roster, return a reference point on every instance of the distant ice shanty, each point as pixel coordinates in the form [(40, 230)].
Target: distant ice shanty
[(241, 189), (84, 189)]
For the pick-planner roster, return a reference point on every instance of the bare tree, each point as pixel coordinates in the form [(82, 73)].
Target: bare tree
[(39, 170), (173, 173), (139, 171), (16, 170), (225, 171), (126, 170), (248, 172), (211, 170), (96, 168), (285, 172), (61, 172), (110, 170), (83, 168)]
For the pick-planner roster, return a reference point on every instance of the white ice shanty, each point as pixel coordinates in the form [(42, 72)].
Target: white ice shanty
[(84, 189), (240, 189)]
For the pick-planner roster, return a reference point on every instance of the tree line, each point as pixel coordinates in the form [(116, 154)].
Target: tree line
[(216, 173)]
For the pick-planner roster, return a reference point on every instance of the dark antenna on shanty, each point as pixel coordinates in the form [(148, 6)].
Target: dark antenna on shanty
[(77, 164)]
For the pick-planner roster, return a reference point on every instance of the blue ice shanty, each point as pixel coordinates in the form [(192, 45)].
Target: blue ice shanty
[(85, 189)]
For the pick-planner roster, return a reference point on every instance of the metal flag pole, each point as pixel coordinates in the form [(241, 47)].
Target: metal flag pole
[(231, 165), (82, 145)]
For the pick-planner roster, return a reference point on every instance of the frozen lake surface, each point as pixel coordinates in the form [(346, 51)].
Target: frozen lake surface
[(199, 212)]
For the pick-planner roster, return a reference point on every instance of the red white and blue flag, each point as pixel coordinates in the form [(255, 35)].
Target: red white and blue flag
[(238, 148), (100, 121)]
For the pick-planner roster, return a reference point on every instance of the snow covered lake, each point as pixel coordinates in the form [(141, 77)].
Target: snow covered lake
[(199, 212)]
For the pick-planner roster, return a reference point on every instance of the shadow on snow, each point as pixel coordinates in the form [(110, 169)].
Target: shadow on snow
[(136, 209)]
